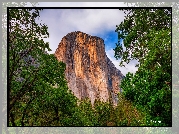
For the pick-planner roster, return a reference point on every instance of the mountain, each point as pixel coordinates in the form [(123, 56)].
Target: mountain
[(89, 72)]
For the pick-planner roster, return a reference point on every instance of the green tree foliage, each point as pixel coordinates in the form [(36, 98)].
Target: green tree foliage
[(147, 38), (86, 113), (127, 115), (33, 99), (102, 112)]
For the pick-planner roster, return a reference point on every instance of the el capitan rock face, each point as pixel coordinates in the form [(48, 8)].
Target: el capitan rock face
[(89, 72)]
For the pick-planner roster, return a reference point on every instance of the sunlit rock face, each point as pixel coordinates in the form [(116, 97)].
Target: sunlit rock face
[(89, 72)]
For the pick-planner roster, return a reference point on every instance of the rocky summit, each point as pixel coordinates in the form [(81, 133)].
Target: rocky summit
[(89, 72)]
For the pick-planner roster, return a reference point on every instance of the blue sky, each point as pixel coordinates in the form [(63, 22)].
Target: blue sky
[(110, 38), (95, 22)]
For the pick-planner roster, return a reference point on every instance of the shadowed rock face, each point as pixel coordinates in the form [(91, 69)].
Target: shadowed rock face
[(89, 72)]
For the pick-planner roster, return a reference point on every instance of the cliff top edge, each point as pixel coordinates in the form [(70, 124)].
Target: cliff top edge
[(77, 32)]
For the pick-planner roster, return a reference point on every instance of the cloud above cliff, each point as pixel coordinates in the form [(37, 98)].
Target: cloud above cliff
[(96, 22)]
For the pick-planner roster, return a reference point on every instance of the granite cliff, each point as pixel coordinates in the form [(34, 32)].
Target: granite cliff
[(89, 72)]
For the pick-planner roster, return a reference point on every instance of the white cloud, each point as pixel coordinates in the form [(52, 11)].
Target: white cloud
[(130, 67), (91, 21)]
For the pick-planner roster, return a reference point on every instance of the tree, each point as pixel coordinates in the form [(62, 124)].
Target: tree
[(33, 73), (102, 112), (148, 41), (24, 49), (86, 113), (127, 114)]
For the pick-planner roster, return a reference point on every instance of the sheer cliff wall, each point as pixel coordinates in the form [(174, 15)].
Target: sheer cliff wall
[(89, 72)]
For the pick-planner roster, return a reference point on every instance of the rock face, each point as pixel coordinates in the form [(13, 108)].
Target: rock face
[(89, 72)]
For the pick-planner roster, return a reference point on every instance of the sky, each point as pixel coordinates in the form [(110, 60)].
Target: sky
[(95, 22)]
